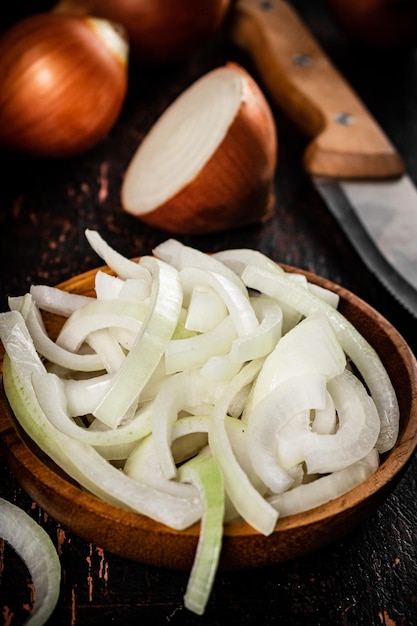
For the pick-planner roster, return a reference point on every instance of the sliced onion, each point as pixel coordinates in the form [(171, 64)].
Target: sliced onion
[(263, 339), (256, 344), (143, 465), (310, 347), (50, 391), (183, 391), (206, 309), (84, 394), (299, 393), (236, 302), (123, 267), (322, 490), (290, 439), (238, 258), (357, 431), (104, 344), (180, 256), (325, 420), (35, 548), (248, 502), (50, 349), (56, 300), (99, 314), (203, 472), (194, 352), (149, 346), (354, 344)]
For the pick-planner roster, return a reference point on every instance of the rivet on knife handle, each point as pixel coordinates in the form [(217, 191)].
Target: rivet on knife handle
[(346, 141)]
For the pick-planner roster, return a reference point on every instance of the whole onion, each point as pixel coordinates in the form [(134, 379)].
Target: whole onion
[(63, 81), (159, 31)]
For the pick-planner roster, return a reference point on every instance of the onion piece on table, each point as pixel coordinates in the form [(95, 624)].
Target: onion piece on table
[(35, 548), (208, 162)]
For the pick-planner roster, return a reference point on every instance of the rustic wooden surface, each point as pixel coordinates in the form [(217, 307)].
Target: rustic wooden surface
[(369, 577)]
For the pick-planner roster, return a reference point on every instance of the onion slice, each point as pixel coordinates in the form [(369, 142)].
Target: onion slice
[(35, 548), (203, 472), (248, 502), (124, 268), (155, 333), (309, 495), (50, 349), (299, 393), (357, 431)]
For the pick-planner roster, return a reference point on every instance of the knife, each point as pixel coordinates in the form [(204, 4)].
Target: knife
[(350, 160)]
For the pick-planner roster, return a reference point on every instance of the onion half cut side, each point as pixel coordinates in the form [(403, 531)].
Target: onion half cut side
[(208, 162)]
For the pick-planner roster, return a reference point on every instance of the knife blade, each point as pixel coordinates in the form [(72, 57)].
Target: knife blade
[(351, 162)]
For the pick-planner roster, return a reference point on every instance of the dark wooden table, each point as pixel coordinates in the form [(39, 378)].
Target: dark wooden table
[(369, 577)]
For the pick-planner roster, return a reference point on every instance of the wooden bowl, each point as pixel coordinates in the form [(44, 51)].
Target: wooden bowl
[(138, 538)]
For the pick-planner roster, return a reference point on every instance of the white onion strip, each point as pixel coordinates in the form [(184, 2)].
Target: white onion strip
[(292, 396), (247, 500), (50, 349), (326, 488), (35, 548), (194, 352), (149, 347), (180, 256), (98, 315), (236, 302), (57, 300), (357, 431), (50, 391), (123, 267), (183, 391)]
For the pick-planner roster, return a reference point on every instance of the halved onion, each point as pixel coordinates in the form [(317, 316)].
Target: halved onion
[(208, 162)]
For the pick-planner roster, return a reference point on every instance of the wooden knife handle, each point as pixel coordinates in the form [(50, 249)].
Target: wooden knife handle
[(345, 140)]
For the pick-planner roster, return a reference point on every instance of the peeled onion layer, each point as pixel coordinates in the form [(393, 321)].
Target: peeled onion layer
[(267, 403), (208, 162)]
